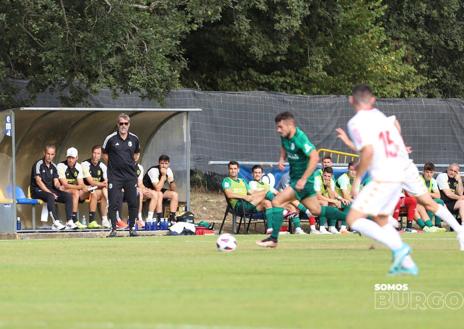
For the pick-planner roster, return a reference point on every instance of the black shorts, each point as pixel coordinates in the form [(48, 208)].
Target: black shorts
[(450, 205)]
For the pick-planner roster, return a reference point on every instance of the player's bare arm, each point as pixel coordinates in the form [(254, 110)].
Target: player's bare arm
[(365, 159), (282, 158)]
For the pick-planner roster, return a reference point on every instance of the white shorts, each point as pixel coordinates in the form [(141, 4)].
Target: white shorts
[(378, 198), (412, 183)]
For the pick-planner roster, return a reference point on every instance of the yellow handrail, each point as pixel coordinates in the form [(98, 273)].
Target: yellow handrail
[(338, 156)]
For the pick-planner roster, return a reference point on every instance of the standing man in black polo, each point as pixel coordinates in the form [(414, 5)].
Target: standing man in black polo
[(121, 149), (46, 186)]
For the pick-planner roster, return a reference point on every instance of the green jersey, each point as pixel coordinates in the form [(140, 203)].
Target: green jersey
[(238, 186), (298, 149)]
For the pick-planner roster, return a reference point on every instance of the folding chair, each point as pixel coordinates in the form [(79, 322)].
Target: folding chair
[(243, 215)]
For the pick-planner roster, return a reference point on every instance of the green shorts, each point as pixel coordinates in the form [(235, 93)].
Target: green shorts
[(246, 205), (307, 192)]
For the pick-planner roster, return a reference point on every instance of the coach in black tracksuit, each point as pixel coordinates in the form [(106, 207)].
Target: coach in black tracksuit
[(121, 149)]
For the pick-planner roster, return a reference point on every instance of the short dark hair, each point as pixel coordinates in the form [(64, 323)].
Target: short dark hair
[(429, 166), (327, 157), (257, 167), (284, 116), (49, 146), (163, 157), (233, 163), (96, 147), (360, 92), (328, 170)]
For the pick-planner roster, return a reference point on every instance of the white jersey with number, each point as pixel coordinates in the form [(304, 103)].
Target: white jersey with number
[(390, 159)]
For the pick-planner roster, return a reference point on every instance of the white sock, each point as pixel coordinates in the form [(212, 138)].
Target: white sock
[(150, 216), (374, 231), (393, 235), (343, 227), (313, 227), (322, 229), (444, 214), (104, 217), (140, 216), (393, 221)]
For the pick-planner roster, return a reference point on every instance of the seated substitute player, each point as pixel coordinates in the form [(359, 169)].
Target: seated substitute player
[(325, 188), (156, 179), (46, 186), (302, 158), (451, 189), (345, 181), (383, 152), (71, 177), (238, 192), (432, 186), (410, 204), (292, 209), (325, 162), (94, 172)]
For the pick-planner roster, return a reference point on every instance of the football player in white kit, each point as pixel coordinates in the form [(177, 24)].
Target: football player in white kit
[(383, 153)]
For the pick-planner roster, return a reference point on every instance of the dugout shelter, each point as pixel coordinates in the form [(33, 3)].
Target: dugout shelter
[(25, 131)]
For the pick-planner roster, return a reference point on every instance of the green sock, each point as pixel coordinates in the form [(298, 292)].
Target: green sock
[(437, 219), (269, 217), (322, 216), (277, 219), (428, 223), (420, 222), (302, 207), (332, 221), (296, 222)]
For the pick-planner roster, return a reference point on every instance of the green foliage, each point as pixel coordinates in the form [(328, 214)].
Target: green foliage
[(128, 46), (303, 47), (402, 48), (433, 34)]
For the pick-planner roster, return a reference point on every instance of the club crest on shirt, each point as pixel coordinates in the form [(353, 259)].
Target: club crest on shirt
[(117, 144), (130, 144), (292, 146)]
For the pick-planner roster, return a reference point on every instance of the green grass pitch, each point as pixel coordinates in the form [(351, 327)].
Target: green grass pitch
[(184, 283)]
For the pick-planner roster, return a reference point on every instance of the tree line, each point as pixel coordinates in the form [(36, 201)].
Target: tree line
[(403, 48)]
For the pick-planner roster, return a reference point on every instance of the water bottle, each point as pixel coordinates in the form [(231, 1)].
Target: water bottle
[(84, 221), (18, 224)]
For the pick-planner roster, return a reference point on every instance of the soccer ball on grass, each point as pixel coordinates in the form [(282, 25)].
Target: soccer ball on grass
[(226, 242)]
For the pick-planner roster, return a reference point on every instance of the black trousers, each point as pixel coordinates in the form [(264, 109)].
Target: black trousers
[(49, 198), (116, 195)]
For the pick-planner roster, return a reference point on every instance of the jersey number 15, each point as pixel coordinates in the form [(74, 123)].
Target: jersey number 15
[(391, 149)]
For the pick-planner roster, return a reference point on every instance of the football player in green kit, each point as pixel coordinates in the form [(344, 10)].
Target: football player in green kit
[(302, 157)]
